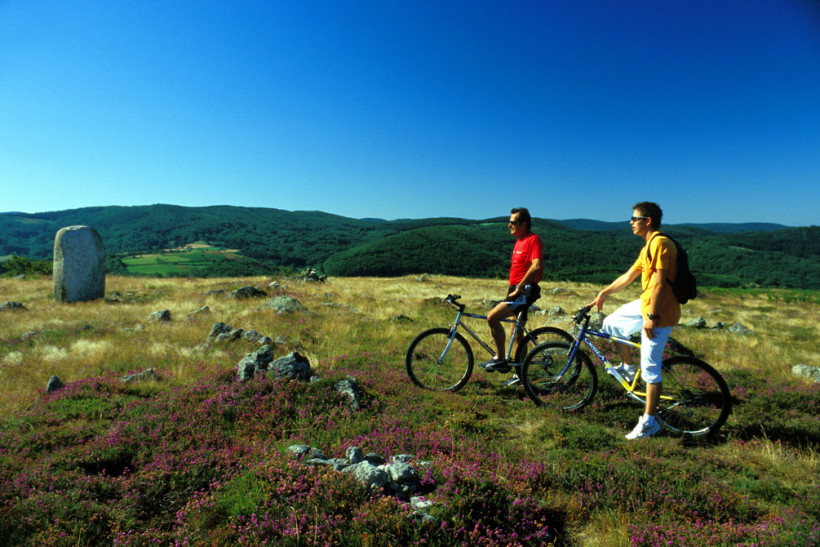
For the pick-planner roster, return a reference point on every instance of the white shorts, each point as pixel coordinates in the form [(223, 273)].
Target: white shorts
[(626, 321)]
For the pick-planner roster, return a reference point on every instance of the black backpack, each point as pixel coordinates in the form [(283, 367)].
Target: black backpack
[(684, 287)]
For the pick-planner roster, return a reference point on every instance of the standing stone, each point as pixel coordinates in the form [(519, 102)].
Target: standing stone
[(79, 265)]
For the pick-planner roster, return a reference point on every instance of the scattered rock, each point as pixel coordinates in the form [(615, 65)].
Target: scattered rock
[(215, 292), (248, 292), (162, 315), (400, 478), (697, 323), (230, 336), (252, 335), (556, 310), (303, 451), (254, 362), (349, 387), (807, 371), (596, 320), (54, 384), (218, 328), (354, 454), (311, 274), (374, 477), (12, 306), (283, 304), (147, 374), (401, 319), (292, 366), (200, 311), (737, 328)]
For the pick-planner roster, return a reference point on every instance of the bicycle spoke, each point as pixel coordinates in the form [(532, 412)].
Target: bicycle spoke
[(549, 381), (435, 362), (695, 398)]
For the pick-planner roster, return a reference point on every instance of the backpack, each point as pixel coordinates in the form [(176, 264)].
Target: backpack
[(684, 287)]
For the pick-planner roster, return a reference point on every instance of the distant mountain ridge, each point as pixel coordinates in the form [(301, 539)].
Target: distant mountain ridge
[(721, 254), (716, 227)]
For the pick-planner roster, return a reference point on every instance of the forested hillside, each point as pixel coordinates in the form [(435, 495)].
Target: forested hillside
[(268, 239)]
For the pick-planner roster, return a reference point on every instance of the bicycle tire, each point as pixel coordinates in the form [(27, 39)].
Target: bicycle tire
[(541, 374), (539, 335), (429, 367), (701, 401)]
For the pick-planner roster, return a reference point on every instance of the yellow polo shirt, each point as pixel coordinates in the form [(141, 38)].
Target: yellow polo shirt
[(664, 256)]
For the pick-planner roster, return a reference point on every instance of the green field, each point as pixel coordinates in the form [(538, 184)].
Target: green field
[(188, 261)]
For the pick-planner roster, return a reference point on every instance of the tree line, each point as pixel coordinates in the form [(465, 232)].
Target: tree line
[(270, 240)]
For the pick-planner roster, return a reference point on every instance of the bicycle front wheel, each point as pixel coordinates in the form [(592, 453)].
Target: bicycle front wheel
[(536, 336), (439, 361), (695, 399), (551, 380)]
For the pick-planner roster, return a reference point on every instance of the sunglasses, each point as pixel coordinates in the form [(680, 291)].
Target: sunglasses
[(636, 219), (515, 222)]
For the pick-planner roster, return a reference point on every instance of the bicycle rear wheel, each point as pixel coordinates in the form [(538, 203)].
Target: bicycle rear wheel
[(695, 399), (438, 361), (551, 381), (536, 336)]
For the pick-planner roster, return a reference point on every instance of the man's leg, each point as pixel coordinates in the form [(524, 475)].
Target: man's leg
[(653, 398), (651, 358), (624, 322), (501, 311)]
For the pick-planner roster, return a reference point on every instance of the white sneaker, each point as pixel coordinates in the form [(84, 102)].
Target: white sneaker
[(644, 429), (512, 381), (627, 374)]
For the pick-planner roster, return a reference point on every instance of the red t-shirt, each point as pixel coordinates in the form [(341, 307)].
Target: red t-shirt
[(525, 251)]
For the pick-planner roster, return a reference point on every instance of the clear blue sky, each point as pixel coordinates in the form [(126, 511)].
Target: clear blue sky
[(415, 108)]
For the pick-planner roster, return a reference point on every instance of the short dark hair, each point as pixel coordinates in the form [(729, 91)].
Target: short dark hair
[(651, 210), (524, 215)]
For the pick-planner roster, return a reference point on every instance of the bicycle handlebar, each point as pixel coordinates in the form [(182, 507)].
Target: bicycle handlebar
[(582, 314), (452, 299)]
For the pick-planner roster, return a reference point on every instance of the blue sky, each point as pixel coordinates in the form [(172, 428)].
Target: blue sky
[(415, 109)]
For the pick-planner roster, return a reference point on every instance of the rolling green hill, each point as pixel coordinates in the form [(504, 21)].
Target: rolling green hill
[(268, 239)]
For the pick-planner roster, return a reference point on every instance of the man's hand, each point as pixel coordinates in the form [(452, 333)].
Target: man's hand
[(649, 328), (598, 302)]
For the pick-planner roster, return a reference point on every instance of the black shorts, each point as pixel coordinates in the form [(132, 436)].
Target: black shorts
[(523, 301)]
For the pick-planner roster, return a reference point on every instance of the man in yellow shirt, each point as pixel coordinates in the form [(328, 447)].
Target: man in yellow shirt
[(654, 314)]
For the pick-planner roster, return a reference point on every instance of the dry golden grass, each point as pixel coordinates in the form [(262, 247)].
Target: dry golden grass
[(349, 316)]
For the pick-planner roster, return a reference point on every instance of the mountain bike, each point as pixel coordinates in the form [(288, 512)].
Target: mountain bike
[(695, 399), (441, 359)]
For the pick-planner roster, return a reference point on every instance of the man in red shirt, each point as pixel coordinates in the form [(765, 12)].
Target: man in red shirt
[(526, 271)]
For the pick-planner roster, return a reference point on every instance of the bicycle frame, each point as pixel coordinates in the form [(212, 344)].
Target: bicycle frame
[(583, 337), (459, 323)]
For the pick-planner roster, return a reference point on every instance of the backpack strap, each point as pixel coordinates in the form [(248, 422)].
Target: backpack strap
[(648, 243)]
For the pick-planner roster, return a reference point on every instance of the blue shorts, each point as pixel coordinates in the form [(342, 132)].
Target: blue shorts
[(523, 301)]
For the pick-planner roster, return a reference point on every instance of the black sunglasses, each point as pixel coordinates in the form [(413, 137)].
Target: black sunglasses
[(636, 219), (515, 222)]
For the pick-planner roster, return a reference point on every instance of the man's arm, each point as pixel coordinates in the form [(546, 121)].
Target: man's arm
[(623, 280), (657, 285)]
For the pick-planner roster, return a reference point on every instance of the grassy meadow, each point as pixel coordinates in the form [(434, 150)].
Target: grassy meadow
[(189, 260), (198, 458)]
